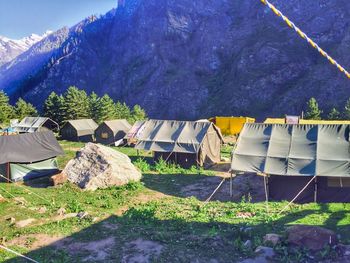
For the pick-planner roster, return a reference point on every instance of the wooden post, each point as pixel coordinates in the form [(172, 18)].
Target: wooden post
[(315, 190), (8, 173)]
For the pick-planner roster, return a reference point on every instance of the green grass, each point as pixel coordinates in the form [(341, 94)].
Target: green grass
[(185, 227)]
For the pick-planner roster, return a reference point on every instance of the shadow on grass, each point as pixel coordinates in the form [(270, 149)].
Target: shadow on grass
[(141, 236)]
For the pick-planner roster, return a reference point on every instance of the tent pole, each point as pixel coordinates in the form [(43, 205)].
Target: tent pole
[(8, 173), (231, 183), (266, 192), (315, 190)]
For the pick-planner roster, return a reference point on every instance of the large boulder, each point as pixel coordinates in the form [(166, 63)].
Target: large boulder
[(312, 237), (97, 166)]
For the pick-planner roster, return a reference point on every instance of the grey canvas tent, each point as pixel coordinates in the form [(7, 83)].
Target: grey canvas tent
[(30, 155), (112, 131), (82, 130), (134, 133), (183, 142), (36, 124), (296, 156)]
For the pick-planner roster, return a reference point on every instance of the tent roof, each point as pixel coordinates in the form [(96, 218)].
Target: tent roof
[(29, 147), (32, 124), (285, 149), (118, 125), (135, 130), (83, 124), (174, 136)]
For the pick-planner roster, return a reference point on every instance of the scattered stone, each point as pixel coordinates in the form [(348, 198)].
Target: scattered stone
[(264, 255), (274, 239), (42, 210), (247, 244), (58, 179), (312, 237), (11, 220), (82, 214), (98, 166), (244, 214), (24, 223), (343, 250), (20, 200), (246, 229), (61, 211)]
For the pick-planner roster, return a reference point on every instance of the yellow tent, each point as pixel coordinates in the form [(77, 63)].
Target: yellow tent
[(275, 120), (231, 125)]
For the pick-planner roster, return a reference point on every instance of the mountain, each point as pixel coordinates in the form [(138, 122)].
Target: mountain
[(11, 48), (189, 59)]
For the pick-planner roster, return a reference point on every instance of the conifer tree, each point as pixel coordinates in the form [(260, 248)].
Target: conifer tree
[(6, 110), (122, 111), (76, 104), (334, 114), (106, 109), (24, 109), (347, 110), (313, 112), (94, 103), (53, 108), (137, 114)]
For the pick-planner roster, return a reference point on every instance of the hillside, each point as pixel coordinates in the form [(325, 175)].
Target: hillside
[(191, 59)]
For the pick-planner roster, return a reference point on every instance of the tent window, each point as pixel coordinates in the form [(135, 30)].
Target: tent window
[(338, 182), (104, 135)]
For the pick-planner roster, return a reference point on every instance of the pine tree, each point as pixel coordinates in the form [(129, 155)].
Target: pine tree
[(24, 109), (334, 114), (347, 110), (107, 110), (137, 114), (76, 104), (94, 102), (122, 111), (6, 110), (313, 112), (53, 108)]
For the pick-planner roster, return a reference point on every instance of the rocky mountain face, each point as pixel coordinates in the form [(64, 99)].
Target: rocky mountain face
[(190, 59), (11, 48)]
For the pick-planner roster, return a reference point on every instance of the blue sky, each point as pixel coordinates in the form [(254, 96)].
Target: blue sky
[(20, 18)]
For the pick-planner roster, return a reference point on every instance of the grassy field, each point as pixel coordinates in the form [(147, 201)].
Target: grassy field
[(154, 220)]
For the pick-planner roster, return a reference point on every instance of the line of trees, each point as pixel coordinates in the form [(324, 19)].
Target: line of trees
[(73, 104), (313, 111), (17, 111)]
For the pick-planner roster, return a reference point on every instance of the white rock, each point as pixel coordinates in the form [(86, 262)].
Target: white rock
[(99, 166)]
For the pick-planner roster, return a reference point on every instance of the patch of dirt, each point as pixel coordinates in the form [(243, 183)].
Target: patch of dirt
[(141, 250), (248, 186), (110, 225), (34, 241), (97, 250)]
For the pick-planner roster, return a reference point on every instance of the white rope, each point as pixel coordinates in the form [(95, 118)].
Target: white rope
[(303, 35), (18, 254), (302, 190)]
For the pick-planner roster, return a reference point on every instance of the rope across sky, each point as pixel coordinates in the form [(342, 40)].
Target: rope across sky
[(303, 35)]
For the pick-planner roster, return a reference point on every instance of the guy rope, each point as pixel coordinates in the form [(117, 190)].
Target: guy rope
[(304, 36)]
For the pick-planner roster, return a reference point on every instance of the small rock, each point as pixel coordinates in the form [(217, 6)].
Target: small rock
[(312, 237), (246, 229), (266, 252), (247, 244), (225, 159), (24, 223), (81, 215), (274, 239), (59, 179), (11, 220), (20, 200), (2, 199), (42, 210), (344, 250), (61, 211)]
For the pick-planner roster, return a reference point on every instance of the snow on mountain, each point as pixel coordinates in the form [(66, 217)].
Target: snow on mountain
[(11, 48)]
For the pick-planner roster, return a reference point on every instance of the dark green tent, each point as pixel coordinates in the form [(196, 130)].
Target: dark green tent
[(79, 130), (28, 156), (113, 131), (296, 156)]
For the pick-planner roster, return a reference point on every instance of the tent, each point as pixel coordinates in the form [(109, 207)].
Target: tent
[(306, 162), (36, 124), (182, 142), (28, 156), (134, 133), (82, 130), (110, 132), (275, 120), (231, 125)]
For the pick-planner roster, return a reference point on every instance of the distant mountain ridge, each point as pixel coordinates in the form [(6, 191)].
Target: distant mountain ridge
[(11, 48), (183, 59)]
